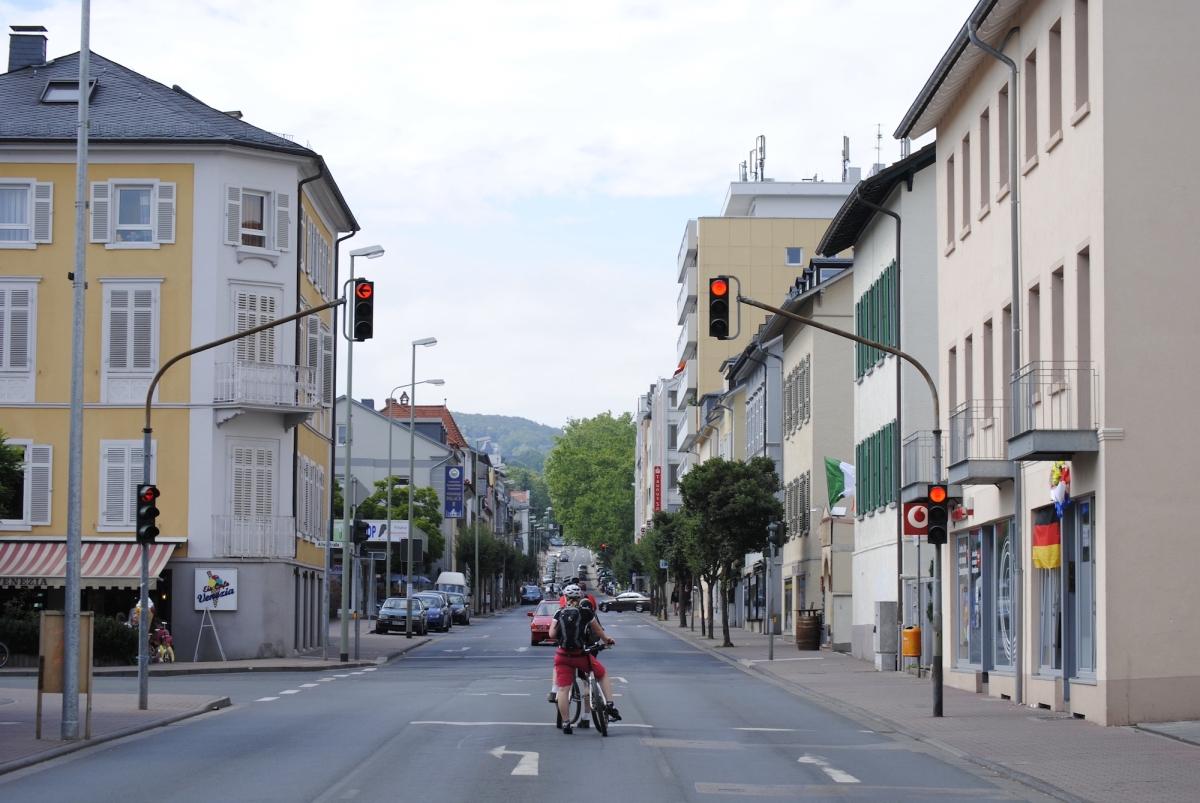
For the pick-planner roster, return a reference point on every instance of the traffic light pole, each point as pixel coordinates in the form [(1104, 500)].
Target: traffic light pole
[(937, 469), (147, 432)]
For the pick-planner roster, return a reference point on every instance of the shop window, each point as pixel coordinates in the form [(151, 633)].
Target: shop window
[(1003, 645), (1084, 587), (969, 642)]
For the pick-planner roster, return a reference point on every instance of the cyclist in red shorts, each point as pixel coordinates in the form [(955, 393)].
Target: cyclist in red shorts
[(568, 628)]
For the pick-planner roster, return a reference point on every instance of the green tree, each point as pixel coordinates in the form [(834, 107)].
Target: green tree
[(590, 477), (12, 480), (733, 501), (526, 479), (668, 540), (427, 513), (338, 500)]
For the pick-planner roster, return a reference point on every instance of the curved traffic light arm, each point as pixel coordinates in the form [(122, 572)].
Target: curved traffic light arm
[(833, 330)]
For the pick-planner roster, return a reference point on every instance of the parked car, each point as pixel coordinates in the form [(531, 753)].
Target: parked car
[(393, 615), (437, 604), (627, 601), (459, 608), (530, 595), (543, 617)]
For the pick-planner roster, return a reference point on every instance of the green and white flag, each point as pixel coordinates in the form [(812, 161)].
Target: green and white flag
[(840, 478)]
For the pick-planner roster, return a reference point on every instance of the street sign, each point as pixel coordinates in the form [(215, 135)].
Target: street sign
[(662, 564), (453, 492), (916, 518)]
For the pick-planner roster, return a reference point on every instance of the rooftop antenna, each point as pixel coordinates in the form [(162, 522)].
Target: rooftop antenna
[(845, 158), (761, 147), (878, 143), (742, 171), (754, 163)]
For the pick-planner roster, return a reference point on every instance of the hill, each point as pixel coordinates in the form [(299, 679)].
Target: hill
[(522, 442)]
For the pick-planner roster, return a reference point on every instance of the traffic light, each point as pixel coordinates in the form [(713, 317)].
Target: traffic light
[(364, 310), (604, 547), (939, 514), (147, 512), (359, 531), (776, 533), (718, 307)]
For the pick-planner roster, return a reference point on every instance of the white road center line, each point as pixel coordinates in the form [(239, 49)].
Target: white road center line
[(474, 724), (308, 685), (837, 775), (290, 691), (325, 680), (372, 669), (513, 694), (341, 676), (265, 699), (768, 730)]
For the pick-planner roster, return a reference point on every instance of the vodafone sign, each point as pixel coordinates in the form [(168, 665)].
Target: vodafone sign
[(916, 519)]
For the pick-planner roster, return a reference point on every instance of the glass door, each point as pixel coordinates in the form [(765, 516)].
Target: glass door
[(1003, 647), (970, 598)]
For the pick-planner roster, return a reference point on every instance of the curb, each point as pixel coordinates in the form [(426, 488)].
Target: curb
[(215, 704), (833, 702)]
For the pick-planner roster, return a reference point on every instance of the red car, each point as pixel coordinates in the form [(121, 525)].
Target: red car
[(542, 617)]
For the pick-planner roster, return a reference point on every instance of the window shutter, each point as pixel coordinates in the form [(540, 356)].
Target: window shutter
[(40, 479), (255, 309), (100, 207), (312, 326), (165, 213), (326, 366), (319, 523), (233, 215), (14, 338), (118, 330), (264, 481), (243, 480), (115, 477), (43, 211), (283, 221), (143, 331)]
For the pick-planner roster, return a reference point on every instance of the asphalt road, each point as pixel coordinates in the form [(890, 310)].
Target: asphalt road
[(455, 719)]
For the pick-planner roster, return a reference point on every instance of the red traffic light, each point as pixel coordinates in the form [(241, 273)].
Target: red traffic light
[(937, 494), (364, 290), (719, 287), (149, 493)]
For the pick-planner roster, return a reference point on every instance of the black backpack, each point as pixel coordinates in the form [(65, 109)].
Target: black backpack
[(570, 629)]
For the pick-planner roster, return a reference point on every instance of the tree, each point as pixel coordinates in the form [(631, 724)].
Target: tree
[(427, 512), (12, 480), (526, 479), (590, 477), (338, 500), (668, 540), (733, 501)]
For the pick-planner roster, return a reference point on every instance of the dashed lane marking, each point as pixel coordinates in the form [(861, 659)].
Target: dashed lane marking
[(514, 694), (308, 685), (478, 724), (693, 744), (265, 699), (290, 691), (837, 775), (768, 730)]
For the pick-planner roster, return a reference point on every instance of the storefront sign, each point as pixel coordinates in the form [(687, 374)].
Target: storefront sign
[(24, 582), (916, 519), (454, 492), (216, 589), (658, 487)]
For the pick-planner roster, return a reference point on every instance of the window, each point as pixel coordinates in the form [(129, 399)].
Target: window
[(30, 506), (875, 319), (317, 260), (143, 217), (18, 325), (875, 469), (1033, 324), (952, 377), (65, 91), (1001, 595), (672, 476), (254, 309), (1081, 54), (672, 436), (969, 603), (326, 365), (989, 370), (797, 504), (966, 183), (253, 479), (1047, 560), (254, 213), (258, 219), (793, 256), (311, 499), (1085, 587), (1031, 127), (950, 201), (985, 159), (968, 369), (672, 399), (1057, 313), (130, 339), (1054, 96), (26, 213), (1002, 112), (121, 470), (797, 396)]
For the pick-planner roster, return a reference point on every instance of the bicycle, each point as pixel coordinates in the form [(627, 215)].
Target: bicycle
[(595, 695)]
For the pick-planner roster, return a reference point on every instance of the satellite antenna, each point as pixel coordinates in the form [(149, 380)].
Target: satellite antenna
[(845, 157), (761, 147)]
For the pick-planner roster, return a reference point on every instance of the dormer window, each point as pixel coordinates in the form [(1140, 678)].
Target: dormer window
[(65, 91)]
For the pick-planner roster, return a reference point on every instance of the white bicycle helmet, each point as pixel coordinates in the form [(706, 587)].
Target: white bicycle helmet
[(572, 592)]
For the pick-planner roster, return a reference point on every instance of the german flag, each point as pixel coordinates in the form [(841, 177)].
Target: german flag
[(1047, 540)]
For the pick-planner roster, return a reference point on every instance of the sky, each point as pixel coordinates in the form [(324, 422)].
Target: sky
[(530, 166)]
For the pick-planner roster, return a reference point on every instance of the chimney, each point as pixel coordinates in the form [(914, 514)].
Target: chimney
[(26, 46)]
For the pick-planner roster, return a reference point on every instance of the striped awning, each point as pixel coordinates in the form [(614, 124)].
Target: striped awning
[(34, 564)]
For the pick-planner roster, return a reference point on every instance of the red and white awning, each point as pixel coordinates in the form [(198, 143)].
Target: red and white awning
[(34, 564)]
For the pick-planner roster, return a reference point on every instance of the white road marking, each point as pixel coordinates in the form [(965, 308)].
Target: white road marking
[(308, 685), (514, 694), (341, 676), (265, 699), (522, 649), (618, 677), (487, 636), (748, 662), (460, 649), (290, 691), (372, 669), (769, 730), (325, 680), (528, 765), (356, 673), (627, 725), (472, 724), (837, 775)]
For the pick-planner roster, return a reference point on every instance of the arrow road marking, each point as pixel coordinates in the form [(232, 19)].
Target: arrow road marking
[(528, 765), (838, 776)]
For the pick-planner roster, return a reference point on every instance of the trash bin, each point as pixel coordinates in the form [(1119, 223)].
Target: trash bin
[(808, 630), (912, 642)]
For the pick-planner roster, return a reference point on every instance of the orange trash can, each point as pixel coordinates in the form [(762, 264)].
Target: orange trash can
[(911, 642)]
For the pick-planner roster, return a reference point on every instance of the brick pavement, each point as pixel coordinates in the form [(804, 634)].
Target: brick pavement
[(1079, 759)]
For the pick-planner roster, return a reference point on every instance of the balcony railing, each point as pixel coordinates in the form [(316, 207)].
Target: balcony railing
[(917, 454), (977, 432), (685, 346), (254, 536), (266, 384), (1054, 395)]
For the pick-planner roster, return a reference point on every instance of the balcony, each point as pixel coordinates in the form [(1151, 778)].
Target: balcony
[(978, 449), (916, 453), (685, 347), (687, 385), (254, 536), (1054, 411), (687, 294), (687, 248), (290, 390), (689, 429)]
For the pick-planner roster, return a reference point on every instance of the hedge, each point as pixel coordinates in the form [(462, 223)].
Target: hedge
[(113, 643)]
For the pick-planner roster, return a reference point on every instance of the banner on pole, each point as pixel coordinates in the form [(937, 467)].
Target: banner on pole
[(454, 492)]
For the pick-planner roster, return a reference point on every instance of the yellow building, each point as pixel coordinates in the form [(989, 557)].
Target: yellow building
[(199, 225)]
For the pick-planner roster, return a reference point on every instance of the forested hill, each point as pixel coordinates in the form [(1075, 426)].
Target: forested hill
[(522, 442)]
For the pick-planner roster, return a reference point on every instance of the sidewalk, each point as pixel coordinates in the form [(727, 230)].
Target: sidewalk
[(113, 716), (1055, 753)]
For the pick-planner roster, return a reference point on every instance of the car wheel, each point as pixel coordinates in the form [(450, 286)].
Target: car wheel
[(638, 607), (603, 609), (379, 632), (534, 642)]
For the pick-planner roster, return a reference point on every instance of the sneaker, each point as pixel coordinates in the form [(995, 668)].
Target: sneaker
[(613, 714), (584, 724), (567, 728), (552, 697)]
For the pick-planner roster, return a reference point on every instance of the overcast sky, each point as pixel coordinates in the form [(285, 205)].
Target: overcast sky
[(530, 166)]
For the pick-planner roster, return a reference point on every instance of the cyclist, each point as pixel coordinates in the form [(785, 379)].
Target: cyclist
[(568, 630), (562, 603)]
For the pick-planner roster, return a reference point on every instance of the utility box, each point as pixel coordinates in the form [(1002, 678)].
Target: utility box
[(885, 637)]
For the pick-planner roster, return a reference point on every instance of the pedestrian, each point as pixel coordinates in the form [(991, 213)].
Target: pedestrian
[(675, 600)]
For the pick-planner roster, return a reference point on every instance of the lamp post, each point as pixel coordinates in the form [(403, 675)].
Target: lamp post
[(370, 252), (412, 445), (388, 561)]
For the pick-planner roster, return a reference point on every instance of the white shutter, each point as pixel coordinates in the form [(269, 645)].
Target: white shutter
[(15, 313), (100, 211), (264, 481), (283, 221), (243, 480), (253, 481), (43, 211), (318, 528), (142, 335), (312, 334), (115, 496), (40, 483), (165, 213), (118, 330), (233, 215), (326, 366), (255, 309)]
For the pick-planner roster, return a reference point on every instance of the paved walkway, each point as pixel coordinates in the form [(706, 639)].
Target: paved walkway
[(113, 716), (1069, 758)]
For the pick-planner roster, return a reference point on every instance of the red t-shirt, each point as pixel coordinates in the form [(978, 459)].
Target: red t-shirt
[(562, 601)]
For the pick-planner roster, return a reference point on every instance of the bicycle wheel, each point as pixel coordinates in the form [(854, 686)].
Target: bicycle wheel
[(575, 707), (3, 653), (599, 711)]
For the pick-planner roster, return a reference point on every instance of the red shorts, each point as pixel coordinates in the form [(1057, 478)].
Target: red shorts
[(565, 666)]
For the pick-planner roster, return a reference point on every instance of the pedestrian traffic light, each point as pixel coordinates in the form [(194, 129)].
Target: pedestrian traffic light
[(364, 310), (147, 512), (939, 514), (718, 307), (360, 532)]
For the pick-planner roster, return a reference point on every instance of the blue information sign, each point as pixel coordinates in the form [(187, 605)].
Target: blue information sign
[(454, 492)]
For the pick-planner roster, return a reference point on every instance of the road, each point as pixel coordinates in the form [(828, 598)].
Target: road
[(465, 718)]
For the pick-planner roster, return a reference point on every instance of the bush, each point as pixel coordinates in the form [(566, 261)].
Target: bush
[(20, 634), (113, 642)]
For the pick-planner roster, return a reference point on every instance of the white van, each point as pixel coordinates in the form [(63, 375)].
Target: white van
[(455, 582)]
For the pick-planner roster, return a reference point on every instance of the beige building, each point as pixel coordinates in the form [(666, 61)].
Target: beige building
[(1107, 628)]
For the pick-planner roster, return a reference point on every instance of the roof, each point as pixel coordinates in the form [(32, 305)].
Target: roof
[(815, 199), (126, 107), (954, 71), (425, 412), (397, 421), (852, 219)]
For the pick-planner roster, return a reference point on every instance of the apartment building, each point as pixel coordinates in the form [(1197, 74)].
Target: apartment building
[(657, 460), (1103, 623), (895, 300), (200, 225)]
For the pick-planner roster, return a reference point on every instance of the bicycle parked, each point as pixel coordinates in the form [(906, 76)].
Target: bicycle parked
[(584, 687)]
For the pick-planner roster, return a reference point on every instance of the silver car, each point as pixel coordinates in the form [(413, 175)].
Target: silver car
[(393, 615)]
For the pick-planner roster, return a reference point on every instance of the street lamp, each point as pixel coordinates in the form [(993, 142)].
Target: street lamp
[(412, 446), (478, 580), (387, 583), (370, 252)]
